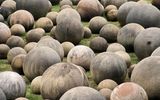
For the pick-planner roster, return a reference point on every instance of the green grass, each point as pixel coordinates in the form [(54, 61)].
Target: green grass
[(32, 96), (85, 24), (55, 8), (87, 41), (91, 82), (4, 66), (134, 59)]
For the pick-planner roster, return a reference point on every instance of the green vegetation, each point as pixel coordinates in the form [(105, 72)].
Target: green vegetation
[(4, 66), (149, 1), (32, 96), (56, 8)]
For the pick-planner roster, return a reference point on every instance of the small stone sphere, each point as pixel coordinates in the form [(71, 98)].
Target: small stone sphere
[(114, 47), (18, 30), (98, 44), (107, 83), (106, 93), (67, 46)]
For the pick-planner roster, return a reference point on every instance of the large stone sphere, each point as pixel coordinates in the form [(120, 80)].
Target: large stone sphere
[(61, 77), (96, 23), (78, 93), (5, 33), (127, 35), (52, 43), (123, 11), (146, 74), (147, 15), (89, 9), (129, 91), (64, 30), (38, 8), (108, 66), (38, 60), (117, 3), (109, 32), (22, 17), (12, 84), (146, 42)]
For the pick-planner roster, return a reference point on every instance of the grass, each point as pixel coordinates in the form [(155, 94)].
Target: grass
[(4, 66), (134, 59), (56, 8), (87, 41), (32, 96)]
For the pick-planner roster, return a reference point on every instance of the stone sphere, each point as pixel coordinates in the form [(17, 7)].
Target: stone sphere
[(61, 77), (98, 44), (2, 95), (127, 35), (14, 52), (109, 7), (22, 17), (65, 7), (67, 46), (96, 23), (87, 32), (44, 23), (52, 16), (28, 47), (4, 49), (36, 85), (148, 18), (18, 30), (15, 41), (106, 93), (123, 11), (10, 4), (5, 33), (89, 9), (17, 63), (38, 60), (117, 3), (38, 8), (53, 44), (1, 18), (114, 47), (112, 15), (108, 66), (109, 32), (65, 2), (148, 67), (156, 52), (107, 83), (64, 30), (12, 84), (129, 91), (79, 94), (81, 55), (146, 42), (34, 35), (125, 56)]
